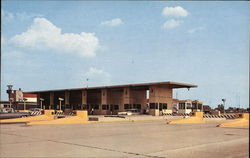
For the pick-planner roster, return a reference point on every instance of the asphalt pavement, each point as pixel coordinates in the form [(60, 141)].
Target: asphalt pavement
[(124, 139)]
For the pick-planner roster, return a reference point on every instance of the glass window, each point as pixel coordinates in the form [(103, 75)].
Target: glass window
[(152, 105), (181, 105), (105, 107), (160, 105), (96, 106), (189, 106), (165, 106), (116, 107), (126, 106)]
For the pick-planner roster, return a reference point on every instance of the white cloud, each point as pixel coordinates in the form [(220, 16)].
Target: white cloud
[(97, 76), (113, 22), (196, 29), (170, 24), (8, 16), (45, 36), (174, 12)]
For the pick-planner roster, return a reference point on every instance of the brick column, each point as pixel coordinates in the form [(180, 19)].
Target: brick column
[(104, 101), (38, 100), (127, 98), (51, 99), (84, 98), (66, 97)]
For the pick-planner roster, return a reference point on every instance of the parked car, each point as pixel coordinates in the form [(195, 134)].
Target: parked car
[(130, 112), (6, 110), (8, 113)]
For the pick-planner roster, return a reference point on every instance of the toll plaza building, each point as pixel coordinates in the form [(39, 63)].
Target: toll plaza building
[(147, 97)]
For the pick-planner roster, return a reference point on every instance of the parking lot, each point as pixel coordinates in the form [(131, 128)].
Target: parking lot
[(124, 139)]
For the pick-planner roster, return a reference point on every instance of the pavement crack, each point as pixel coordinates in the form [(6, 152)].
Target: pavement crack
[(107, 149), (87, 146)]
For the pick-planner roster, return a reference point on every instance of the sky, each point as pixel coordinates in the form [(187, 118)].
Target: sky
[(70, 44)]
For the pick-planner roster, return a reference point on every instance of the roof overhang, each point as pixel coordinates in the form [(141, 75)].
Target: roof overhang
[(140, 85)]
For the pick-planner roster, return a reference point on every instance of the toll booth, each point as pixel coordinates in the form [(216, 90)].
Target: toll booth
[(197, 106), (185, 106)]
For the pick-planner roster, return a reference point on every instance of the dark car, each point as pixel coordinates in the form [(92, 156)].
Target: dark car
[(8, 113)]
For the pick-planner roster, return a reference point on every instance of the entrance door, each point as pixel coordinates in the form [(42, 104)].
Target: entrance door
[(111, 109), (160, 108)]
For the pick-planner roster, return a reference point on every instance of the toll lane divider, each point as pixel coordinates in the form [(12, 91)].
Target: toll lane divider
[(47, 116), (243, 121), (34, 113), (227, 116), (80, 118)]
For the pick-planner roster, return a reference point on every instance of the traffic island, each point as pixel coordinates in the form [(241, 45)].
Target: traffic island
[(80, 118), (197, 118), (243, 121), (47, 116)]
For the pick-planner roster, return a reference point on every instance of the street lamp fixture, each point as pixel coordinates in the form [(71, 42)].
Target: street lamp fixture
[(41, 101), (60, 100)]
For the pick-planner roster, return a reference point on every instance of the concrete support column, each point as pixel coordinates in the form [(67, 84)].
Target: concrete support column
[(66, 97), (38, 96), (127, 98), (84, 97), (127, 94), (104, 97), (51, 99), (104, 102)]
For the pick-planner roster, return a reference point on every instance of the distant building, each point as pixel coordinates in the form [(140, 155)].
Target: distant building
[(20, 100)]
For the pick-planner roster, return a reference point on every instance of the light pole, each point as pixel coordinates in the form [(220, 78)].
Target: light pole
[(60, 100), (41, 102), (87, 82), (224, 101), (24, 103)]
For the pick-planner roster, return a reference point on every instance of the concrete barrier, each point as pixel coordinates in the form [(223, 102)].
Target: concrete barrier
[(47, 116), (80, 118), (23, 110), (197, 118), (240, 122)]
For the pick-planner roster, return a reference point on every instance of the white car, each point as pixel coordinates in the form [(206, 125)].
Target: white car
[(125, 113), (130, 112)]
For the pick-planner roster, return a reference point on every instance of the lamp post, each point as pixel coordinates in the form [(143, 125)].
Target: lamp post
[(41, 102), (24, 103), (87, 82), (224, 101), (60, 100)]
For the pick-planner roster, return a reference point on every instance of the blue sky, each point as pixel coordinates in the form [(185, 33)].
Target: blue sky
[(59, 44)]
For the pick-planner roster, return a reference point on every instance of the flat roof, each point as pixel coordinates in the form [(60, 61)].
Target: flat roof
[(138, 85)]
